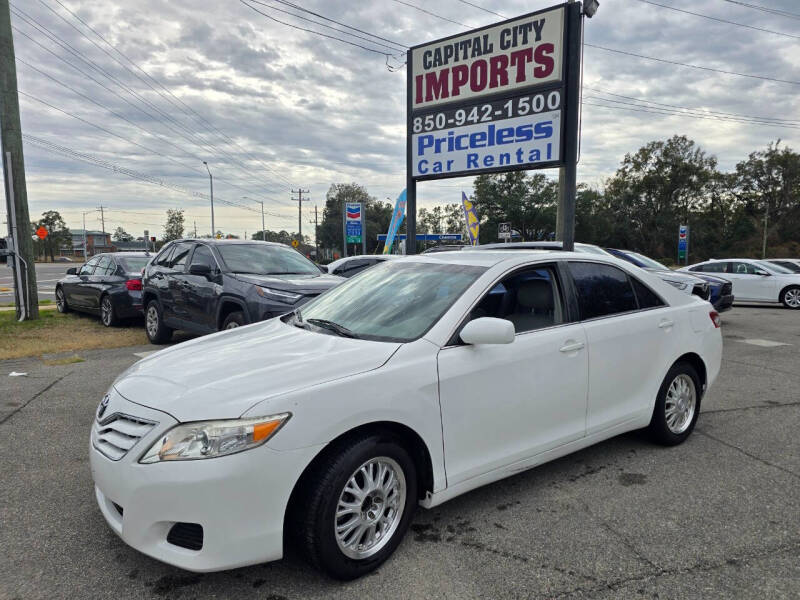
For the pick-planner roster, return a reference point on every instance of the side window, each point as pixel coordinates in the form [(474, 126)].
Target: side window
[(202, 256), (700, 268), (351, 267), (88, 268), (646, 297), (602, 290), (741, 268), (179, 256), (104, 267), (162, 260), (531, 299), (713, 267)]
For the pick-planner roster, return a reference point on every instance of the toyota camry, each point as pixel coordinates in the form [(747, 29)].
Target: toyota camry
[(415, 381)]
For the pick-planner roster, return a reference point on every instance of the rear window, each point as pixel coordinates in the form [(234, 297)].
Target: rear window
[(715, 267), (133, 264), (602, 290)]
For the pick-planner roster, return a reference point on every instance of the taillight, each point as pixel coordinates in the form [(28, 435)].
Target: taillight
[(715, 318), (134, 285)]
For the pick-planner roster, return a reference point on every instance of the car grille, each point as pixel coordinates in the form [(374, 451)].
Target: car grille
[(702, 290), (727, 289), (114, 436)]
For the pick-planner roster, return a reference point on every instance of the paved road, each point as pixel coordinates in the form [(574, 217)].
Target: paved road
[(714, 518), (47, 274)]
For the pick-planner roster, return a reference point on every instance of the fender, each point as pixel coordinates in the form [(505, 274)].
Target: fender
[(227, 298)]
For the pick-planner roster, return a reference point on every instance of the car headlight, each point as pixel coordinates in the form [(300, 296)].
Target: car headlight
[(681, 285), (210, 439), (278, 295)]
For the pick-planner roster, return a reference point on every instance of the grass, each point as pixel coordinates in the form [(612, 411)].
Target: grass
[(53, 333)]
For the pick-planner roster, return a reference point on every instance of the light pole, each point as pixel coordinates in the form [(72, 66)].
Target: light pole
[(211, 183), (263, 228)]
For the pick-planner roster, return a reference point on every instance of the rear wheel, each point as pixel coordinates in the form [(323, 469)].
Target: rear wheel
[(157, 332), (356, 506), (234, 320), (107, 314), (677, 405), (791, 297), (61, 301)]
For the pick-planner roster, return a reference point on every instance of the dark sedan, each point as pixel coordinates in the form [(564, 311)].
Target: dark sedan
[(205, 285), (109, 285)]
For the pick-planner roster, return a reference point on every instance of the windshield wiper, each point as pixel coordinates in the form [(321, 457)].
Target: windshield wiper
[(286, 273), (335, 327)]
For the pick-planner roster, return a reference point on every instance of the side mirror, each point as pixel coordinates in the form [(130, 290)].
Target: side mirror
[(200, 269), (72, 271), (488, 330), (762, 272)]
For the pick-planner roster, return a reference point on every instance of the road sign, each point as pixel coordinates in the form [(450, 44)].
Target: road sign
[(41, 232), (427, 237), (295, 243), (353, 222), (504, 231)]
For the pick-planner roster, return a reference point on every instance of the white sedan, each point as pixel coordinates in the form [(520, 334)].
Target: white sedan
[(755, 280), (416, 381)]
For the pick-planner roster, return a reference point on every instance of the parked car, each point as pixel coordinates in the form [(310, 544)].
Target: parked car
[(109, 285), (793, 264), (755, 280), (417, 381), (713, 289), (444, 248), (350, 265), (63, 259), (205, 285)]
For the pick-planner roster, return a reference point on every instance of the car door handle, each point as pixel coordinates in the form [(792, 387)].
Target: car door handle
[(666, 324), (571, 347)]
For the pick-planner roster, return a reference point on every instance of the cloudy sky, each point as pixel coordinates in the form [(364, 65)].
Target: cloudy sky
[(272, 108)]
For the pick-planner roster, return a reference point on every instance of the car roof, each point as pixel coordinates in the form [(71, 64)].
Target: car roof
[(216, 242), (489, 258)]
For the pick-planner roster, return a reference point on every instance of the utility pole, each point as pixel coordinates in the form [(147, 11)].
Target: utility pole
[(316, 231), (300, 201), (25, 291), (102, 223), (195, 229), (764, 240), (211, 184)]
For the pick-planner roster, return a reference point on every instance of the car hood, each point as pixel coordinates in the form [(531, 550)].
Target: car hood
[(221, 375), (300, 284), (676, 276)]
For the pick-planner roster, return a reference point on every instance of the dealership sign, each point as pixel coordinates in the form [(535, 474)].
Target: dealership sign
[(489, 100), (353, 222)]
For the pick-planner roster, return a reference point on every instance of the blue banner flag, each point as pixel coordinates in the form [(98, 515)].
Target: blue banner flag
[(473, 225), (398, 215)]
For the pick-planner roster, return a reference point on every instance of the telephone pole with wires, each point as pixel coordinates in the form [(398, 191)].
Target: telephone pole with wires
[(102, 222), (300, 201), (316, 232), (25, 291)]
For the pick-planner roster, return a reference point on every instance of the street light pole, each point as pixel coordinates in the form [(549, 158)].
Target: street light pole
[(263, 227), (211, 183)]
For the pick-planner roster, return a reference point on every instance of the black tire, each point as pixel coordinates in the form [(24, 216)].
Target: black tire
[(660, 429), (154, 327), (314, 513), (233, 320), (108, 315), (61, 301), (790, 297)]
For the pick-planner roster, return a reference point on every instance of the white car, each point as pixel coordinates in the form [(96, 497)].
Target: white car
[(419, 380), (352, 265), (755, 280), (793, 264)]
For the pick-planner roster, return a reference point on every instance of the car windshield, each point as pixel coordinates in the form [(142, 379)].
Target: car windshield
[(773, 268), (133, 264), (590, 249), (649, 263), (394, 301), (262, 259)]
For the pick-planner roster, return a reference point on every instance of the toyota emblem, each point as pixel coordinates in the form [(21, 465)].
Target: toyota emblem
[(103, 405)]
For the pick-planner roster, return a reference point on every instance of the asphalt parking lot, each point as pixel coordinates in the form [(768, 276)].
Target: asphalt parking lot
[(47, 274), (714, 518)]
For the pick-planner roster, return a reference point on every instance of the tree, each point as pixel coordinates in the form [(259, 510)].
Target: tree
[(120, 235), (173, 230), (377, 215), (58, 235)]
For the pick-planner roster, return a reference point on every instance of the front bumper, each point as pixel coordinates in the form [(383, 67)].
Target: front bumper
[(724, 303), (239, 500)]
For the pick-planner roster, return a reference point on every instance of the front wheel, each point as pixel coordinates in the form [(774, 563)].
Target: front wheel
[(234, 320), (791, 297), (157, 332), (357, 506), (61, 301), (677, 405)]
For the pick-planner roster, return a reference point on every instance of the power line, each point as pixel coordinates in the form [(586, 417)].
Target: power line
[(325, 35), (491, 12), (433, 14), (672, 62), (775, 11), (688, 12), (361, 37), (188, 108), (710, 112)]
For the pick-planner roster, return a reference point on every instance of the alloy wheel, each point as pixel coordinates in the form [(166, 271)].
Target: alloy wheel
[(232, 325), (106, 311), (370, 507), (60, 301), (151, 321), (680, 404), (792, 298)]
